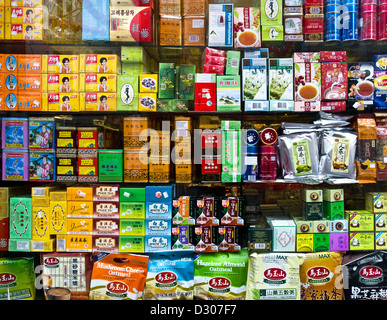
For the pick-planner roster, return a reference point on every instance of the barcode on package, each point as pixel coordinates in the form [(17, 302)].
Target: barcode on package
[(37, 246), (193, 38), (61, 244), (259, 246), (38, 192), (234, 63)]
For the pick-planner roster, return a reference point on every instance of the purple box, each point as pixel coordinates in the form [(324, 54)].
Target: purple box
[(15, 165), (339, 241), (14, 133)]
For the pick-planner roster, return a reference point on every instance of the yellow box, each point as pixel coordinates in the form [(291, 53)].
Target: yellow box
[(60, 63), (24, 31), (58, 217), (41, 223), (42, 192), (80, 193), (66, 102), (2, 13), (148, 83), (2, 31), (80, 226), (79, 209), (97, 82), (23, 3), (147, 102), (58, 196), (24, 15), (60, 82), (43, 245), (4, 209), (79, 243), (99, 63), (97, 101)]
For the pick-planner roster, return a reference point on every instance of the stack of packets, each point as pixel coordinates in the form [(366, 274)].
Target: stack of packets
[(22, 21), (28, 149), (182, 23)]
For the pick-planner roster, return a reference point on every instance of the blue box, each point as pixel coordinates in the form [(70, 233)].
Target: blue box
[(95, 20), (157, 243), (42, 166), (41, 133), (158, 210), (159, 193), (380, 61), (158, 227)]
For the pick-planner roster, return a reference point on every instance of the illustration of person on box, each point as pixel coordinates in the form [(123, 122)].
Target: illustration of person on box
[(65, 105), (65, 86), (65, 67), (14, 138), (15, 170), (43, 137), (103, 68), (29, 18), (103, 87), (103, 106), (28, 3), (28, 35), (42, 170)]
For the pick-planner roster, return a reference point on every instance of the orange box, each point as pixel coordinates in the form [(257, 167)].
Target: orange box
[(29, 83), (194, 8), (135, 166), (29, 101), (29, 63), (8, 63), (2, 82), (79, 209), (10, 82), (10, 101), (79, 243), (194, 31), (170, 31), (2, 101), (79, 226), (80, 193)]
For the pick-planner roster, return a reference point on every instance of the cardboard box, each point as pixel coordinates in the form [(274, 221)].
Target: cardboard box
[(104, 209), (284, 235), (98, 82), (64, 102), (79, 193), (321, 242), (41, 223), (29, 63), (157, 243), (79, 243), (80, 226), (132, 227), (20, 218), (105, 243), (99, 63), (60, 83), (360, 241), (53, 64), (131, 244), (304, 242), (127, 93), (80, 209), (360, 220), (58, 217), (220, 25), (194, 30), (106, 226)]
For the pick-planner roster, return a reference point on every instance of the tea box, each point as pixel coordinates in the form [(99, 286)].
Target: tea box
[(23, 31), (133, 244), (159, 193), (79, 193), (205, 92), (380, 83), (182, 237), (47, 245), (14, 133), (333, 195), (229, 239), (360, 220), (334, 85), (53, 64), (66, 140), (58, 217), (205, 239), (42, 166), (232, 211), (293, 24), (105, 243), (271, 13), (87, 140), (194, 8), (29, 82), (284, 235), (147, 102), (339, 226), (157, 243), (97, 82), (184, 210), (380, 222), (61, 102), (307, 85), (135, 166), (194, 30), (139, 20), (99, 63), (321, 242), (132, 227), (158, 227), (29, 63), (87, 168), (132, 194), (166, 83), (272, 33), (30, 102), (186, 82), (247, 27), (304, 242), (127, 93), (360, 81), (360, 241), (110, 165), (231, 153), (40, 223), (103, 209), (41, 133), (220, 26), (159, 170), (304, 226), (207, 211), (132, 210), (313, 27), (135, 55), (59, 82), (254, 79), (333, 210), (281, 79), (95, 27), (20, 215), (260, 237), (171, 30), (78, 243), (228, 93), (375, 202), (80, 209), (17, 245), (80, 226), (158, 210)]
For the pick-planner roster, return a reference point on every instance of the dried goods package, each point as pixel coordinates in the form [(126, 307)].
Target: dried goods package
[(170, 276), (321, 276), (274, 276), (221, 276), (118, 276), (17, 281)]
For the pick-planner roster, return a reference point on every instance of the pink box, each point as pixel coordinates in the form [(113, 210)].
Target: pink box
[(15, 165), (105, 243), (339, 241), (307, 106), (306, 57)]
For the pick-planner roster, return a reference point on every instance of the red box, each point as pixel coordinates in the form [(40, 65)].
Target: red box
[(105, 243), (106, 192), (334, 81), (205, 96), (333, 106), (4, 233), (333, 56), (314, 27), (211, 166), (87, 169), (211, 140)]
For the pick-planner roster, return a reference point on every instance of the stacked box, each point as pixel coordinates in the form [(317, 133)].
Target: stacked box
[(110, 162), (182, 156), (321, 235), (284, 235), (304, 235), (158, 214), (136, 167), (205, 92), (231, 151), (281, 97), (20, 226), (333, 204), (260, 237), (87, 164), (312, 200), (293, 20), (228, 93), (361, 230), (380, 82), (380, 231), (271, 21), (58, 213), (361, 85), (313, 26), (211, 164), (214, 61), (66, 154), (339, 235)]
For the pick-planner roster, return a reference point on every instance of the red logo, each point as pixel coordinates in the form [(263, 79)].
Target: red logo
[(274, 274), (7, 278), (318, 273), (51, 261), (371, 272), (382, 82), (166, 277), (117, 287), (219, 283)]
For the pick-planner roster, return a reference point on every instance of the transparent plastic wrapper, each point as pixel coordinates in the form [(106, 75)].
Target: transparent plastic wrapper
[(338, 151), (299, 157), (170, 276)]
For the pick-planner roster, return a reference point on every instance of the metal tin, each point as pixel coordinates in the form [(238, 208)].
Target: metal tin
[(350, 22), (368, 24), (332, 23), (268, 162), (382, 25), (332, 2), (367, 2), (250, 163)]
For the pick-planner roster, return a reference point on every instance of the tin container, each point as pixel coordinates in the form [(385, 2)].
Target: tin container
[(133, 132), (110, 165), (368, 22), (333, 30), (15, 165), (350, 22), (87, 140), (14, 133), (268, 163), (87, 168), (66, 140), (66, 167), (382, 23)]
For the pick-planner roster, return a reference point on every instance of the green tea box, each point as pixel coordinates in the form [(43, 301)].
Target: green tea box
[(132, 210), (19, 245), (272, 33), (233, 58), (380, 222), (284, 235), (231, 156), (333, 195), (321, 242), (132, 227), (271, 13), (361, 241), (132, 194), (360, 220), (376, 201), (20, 218), (228, 93), (186, 85), (333, 210), (131, 244), (110, 162), (166, 80), (127, 92)]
